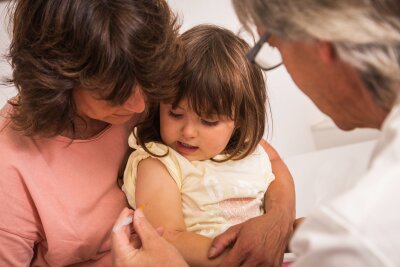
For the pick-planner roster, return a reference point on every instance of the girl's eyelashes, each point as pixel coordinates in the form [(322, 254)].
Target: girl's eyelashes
[(175, 114), (209, 123)]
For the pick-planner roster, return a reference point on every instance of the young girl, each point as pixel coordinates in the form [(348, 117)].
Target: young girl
[(198, 168)]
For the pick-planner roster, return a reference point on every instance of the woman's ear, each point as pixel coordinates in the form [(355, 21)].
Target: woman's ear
[(326, 51)]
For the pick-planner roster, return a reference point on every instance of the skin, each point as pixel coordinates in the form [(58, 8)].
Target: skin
[(333, 86), (98, 113), (147, 250), (194, 137)]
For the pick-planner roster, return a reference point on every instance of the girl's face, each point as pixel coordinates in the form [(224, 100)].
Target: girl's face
[(194, 137)]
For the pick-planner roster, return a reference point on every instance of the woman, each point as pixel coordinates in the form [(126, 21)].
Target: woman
[(82, 70)]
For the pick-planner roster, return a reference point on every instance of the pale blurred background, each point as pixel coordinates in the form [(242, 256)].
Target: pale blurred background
[(323, 159), (5, 69)]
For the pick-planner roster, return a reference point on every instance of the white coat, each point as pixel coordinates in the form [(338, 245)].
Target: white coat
[(360, 227)]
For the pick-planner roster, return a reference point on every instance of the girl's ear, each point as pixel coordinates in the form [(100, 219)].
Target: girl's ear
[(327, 52)]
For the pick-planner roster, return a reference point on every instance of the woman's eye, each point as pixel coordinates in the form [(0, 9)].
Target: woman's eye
[(175, 115), (209, 123)]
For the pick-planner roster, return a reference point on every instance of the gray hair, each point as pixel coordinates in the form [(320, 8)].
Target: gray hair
[(365, 34)]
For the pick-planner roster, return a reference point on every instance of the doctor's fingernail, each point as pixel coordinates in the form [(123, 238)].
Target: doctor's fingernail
[(139, 213)]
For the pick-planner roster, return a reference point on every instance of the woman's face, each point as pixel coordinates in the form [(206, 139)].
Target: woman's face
[(90, 107)]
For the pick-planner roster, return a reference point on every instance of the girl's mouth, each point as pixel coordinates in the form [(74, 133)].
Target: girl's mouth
[(185, 148)]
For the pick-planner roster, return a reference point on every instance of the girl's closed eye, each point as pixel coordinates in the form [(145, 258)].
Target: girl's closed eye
[(209, 122), (175, 114)]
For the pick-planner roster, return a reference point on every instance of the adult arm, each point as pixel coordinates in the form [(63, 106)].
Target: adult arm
[(261, 241), (159, 195)]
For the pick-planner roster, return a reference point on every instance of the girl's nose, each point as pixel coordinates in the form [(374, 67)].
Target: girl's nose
[(189, 129)]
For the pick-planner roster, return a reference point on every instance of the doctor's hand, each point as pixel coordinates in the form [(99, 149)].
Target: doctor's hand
[(260, 241), (145, 247)]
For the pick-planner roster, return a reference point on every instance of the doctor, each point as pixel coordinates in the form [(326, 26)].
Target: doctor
[(345, 56)]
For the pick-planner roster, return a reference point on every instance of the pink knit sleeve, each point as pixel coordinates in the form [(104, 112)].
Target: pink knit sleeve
[(18, 227)]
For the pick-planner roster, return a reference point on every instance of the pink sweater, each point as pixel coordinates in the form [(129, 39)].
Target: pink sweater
[(59, 200)]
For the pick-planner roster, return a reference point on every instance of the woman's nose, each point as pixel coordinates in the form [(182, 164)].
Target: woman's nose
[(136, 102)]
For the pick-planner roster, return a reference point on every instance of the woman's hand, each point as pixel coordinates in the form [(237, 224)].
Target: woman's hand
[(260, 241), (145, 248)]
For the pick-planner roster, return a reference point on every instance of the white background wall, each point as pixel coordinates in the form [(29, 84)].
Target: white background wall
[(5, 69)]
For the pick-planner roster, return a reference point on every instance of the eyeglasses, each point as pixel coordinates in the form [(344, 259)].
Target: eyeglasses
[(264, 55)]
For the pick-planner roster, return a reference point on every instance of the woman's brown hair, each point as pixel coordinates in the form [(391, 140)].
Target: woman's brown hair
[(106, 46), (217, 79)]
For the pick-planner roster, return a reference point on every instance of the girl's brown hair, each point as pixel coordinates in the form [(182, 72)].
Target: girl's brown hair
[(106, 46), (218, 79)]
